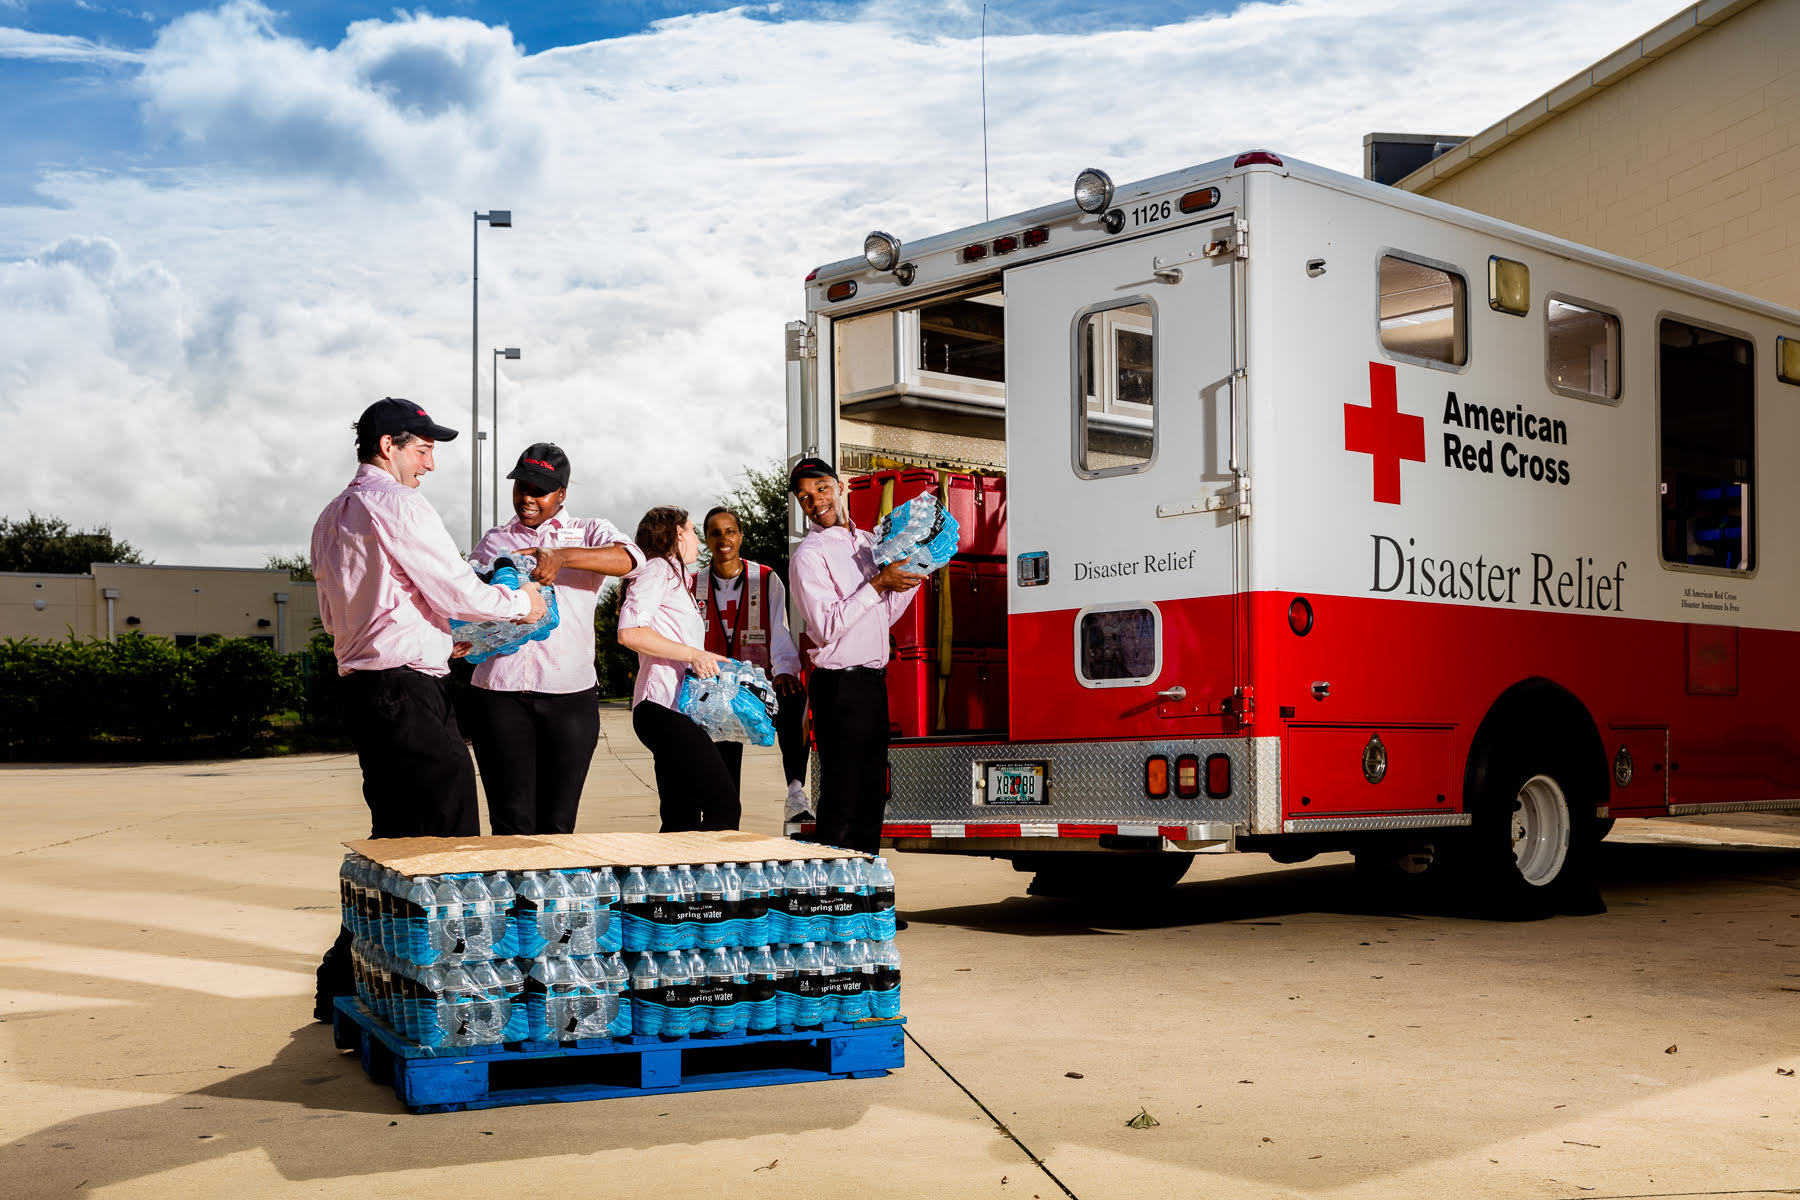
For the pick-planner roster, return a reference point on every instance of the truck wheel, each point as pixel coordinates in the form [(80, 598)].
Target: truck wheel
[(1097, 876), (1531, 848)]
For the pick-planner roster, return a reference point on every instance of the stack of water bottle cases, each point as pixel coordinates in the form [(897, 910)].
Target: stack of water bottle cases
[(669, 952)]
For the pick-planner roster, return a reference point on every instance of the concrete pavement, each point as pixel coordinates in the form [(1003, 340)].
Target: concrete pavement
[(159, 926)]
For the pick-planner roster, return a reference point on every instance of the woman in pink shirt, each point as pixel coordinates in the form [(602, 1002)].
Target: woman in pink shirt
[(659, 619)]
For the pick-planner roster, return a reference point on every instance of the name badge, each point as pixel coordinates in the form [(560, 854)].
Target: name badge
[(755, 637)]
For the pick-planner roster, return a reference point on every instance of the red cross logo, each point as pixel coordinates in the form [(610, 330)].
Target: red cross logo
[(1385, 432)]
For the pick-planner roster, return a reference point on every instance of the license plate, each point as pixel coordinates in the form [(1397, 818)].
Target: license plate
[(1017, 783)]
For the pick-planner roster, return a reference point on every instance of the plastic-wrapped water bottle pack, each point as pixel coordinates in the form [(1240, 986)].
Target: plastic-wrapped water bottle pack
[(495, 638), (736, 705), (474, 959), (920, 535)]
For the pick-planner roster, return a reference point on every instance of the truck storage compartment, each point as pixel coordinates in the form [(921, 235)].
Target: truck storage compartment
[(978, 502), (974, 693)]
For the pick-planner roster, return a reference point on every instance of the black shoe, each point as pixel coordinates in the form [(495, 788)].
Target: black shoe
[(322, 1009), (899, 923)]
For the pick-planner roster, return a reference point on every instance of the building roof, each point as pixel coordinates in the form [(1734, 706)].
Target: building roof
[(1678, 30)]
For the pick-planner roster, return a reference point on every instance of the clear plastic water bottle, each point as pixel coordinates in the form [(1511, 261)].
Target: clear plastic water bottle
[(796, 923), (884, 998), (881, 900), (593, 1012), (491, 1007), (740, 989), (634, 894), (830, 983), (415, 943), (677, 992), (809, 978), (606, 915), (687, 932), (581, 919), (712, 923), (528, 907), (500, 927), (721, 991), (819, 878), (787, 995), (734, 904), (553, 920), (753, 906), (775, 911), (618, 982), (477, 918), (646, 999), (760, 991), (840, 878), (434, 1018), (445, 921), (857, 965), (663, 911), (512, 980)]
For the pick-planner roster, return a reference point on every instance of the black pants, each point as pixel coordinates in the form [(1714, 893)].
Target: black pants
[(790, 735), (850, 724), (417, 777), (534, 749), (695, 789)]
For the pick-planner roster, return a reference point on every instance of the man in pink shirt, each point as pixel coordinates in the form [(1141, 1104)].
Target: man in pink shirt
[(848, 603), (389, 581), (540, 706)]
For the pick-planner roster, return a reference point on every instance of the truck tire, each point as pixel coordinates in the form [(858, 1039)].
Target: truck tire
[(1105, 876), (1531, 844)]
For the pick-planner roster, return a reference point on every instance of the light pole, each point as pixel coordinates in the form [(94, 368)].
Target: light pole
[(499, 218), (510, 352)]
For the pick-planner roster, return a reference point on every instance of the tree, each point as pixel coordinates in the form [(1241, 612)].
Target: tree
[(298, 566), (615, 665), (48, 546), (761, 503)]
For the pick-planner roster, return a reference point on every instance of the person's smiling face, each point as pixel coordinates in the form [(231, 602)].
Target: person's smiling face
[(534, 507)]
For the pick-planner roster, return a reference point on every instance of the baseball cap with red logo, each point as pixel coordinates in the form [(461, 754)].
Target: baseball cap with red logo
[(543, 468), (391, 416)]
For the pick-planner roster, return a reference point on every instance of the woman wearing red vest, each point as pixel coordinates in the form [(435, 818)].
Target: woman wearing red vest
[(744, 605)]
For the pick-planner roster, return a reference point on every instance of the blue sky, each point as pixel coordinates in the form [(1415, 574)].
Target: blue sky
[(226, 228)]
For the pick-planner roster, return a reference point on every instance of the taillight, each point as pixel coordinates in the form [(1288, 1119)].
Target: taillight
[(1156, 777), (1251, 158), (813, 274), (1006, 245), (1187, 776), (1300, 616), (974, 253), (1037, 237), (1218, 776), (841, 291)]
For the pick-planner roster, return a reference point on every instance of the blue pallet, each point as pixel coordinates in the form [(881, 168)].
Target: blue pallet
[(446, 1080)]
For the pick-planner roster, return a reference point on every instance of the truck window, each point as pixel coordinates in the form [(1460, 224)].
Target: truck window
[(1707, 403), (1115, 390), (1118, 646), (1423, 312), (1581, 350), (964, 337)]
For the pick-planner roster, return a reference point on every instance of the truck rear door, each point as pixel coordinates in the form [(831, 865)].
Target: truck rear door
[(1126, 520)]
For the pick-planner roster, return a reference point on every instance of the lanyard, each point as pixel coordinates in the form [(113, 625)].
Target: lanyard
[(712, 610)]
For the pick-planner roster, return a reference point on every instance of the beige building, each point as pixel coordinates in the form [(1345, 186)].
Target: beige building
[(1681, 150), (183, 603)]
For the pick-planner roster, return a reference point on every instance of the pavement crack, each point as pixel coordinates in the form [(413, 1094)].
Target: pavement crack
[(989, 1114)]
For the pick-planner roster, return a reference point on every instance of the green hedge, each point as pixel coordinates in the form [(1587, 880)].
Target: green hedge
[(145, 694)]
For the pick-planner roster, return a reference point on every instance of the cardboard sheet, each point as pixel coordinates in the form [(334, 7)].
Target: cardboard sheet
[(449, 856)]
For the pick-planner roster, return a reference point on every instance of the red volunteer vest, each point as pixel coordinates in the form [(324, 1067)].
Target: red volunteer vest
[(740, 631)]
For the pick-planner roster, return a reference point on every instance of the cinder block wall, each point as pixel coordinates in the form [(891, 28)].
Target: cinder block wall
[(1691, 162)]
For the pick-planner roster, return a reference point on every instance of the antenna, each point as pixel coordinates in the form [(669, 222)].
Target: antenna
[(985, 214)]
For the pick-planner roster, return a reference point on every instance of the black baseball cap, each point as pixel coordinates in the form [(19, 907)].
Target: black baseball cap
[(809, 468), (543, 466), (390, 416)]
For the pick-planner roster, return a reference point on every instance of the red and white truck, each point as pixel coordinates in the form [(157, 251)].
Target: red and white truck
[(1303, 514)]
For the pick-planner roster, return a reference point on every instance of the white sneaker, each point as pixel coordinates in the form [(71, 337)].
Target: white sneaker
[(798, 807)]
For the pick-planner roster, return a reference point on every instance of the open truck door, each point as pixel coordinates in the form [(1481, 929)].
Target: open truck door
[(1129, 501)]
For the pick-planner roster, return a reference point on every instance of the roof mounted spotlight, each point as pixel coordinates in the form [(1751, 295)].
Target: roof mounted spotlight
[(882, 250), (1093, 191)]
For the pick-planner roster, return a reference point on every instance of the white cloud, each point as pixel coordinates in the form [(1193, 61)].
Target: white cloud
[(54, 47), (210, 330)]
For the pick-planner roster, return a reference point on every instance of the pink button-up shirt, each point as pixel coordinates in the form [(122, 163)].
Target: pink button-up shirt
[(846, 617), (390, 579), (658, 599), (564, 661)]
